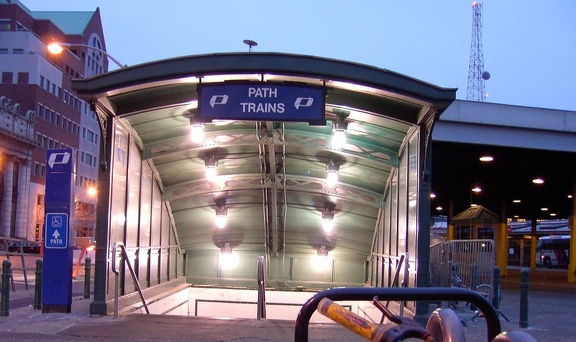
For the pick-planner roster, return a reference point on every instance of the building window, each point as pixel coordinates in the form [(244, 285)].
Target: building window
[(3, 51), (7, 77), (18, 51), (5, 25), (23, 77)]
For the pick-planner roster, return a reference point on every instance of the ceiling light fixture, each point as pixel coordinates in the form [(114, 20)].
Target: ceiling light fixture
[(221, 217), (211, 164), (322, 251), (332, 177), (327, 220), (339, 128), (226, 249), (486, 158), (538, 180), (196, 131)]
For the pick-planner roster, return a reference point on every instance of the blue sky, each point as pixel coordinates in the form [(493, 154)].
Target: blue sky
[(529, 45)]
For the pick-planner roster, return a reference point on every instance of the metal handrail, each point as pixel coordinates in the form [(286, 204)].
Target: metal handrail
[(405, 293), (116, 277)]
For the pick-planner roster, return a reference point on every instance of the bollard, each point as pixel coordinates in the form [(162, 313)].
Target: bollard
[(524, 284), (496, 288), (38, 285), (5, 296), (473, 281), (87, 270)]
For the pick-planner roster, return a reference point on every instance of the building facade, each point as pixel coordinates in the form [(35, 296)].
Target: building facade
[(40, 111)]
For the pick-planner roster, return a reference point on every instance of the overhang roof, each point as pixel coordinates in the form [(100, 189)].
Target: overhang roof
[(271, 174)]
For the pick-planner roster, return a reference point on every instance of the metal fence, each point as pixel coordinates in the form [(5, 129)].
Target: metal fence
[(464, 264)]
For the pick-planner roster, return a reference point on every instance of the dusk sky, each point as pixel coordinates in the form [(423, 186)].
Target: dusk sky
[(529, 46)]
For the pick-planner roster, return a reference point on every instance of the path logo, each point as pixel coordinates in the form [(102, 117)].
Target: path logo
[(59, 158), (218, 100)]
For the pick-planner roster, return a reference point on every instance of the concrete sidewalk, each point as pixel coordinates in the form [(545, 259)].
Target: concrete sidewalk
[(551, 300)]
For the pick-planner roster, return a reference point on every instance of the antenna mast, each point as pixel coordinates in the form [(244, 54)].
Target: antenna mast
[(476, 75)]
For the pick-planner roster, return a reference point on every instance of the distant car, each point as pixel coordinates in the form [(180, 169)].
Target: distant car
[(27, 247)]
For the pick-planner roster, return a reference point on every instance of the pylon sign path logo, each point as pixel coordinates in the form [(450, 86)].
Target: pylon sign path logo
[(58, 158)]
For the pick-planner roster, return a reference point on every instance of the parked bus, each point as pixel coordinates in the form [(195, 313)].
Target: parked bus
[(553, 251)]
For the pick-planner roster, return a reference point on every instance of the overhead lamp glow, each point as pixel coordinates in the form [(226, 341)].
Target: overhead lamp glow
[(486, 158), (339, 128), (476, 189), (57, 48), (211, 164), (327, 221), (332, 176), (196, 131), (227, 260), (221, 217), (538, 180)]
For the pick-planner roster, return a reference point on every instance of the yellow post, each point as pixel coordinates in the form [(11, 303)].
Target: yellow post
[(534, 242), (572, 260), (501, 240), (450, 232)]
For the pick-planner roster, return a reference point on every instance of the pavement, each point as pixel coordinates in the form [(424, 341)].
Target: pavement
[(550, 301)]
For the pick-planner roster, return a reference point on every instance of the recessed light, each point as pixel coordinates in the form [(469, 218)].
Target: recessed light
[(538, 181), (486, 158)]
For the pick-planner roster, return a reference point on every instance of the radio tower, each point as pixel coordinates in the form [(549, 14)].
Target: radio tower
[(476, 73)]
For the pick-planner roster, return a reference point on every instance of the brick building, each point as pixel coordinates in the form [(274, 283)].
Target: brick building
[(39, 111)]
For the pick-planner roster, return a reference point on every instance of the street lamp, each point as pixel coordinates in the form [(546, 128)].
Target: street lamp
[(57, 48)]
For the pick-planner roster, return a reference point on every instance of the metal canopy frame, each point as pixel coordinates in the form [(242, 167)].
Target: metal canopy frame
[(272, 174)]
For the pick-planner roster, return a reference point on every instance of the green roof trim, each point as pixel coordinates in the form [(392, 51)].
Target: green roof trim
[(70, 22)]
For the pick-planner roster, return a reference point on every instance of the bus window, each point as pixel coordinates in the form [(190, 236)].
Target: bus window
[(553, 251)]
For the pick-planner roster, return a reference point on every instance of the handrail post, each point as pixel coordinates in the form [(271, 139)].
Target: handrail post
[(116, 280), (115, 270), (38, 285), (5, 295), (87, 276)]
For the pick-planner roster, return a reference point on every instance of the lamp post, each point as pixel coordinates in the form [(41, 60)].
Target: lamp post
[(57, 47)]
